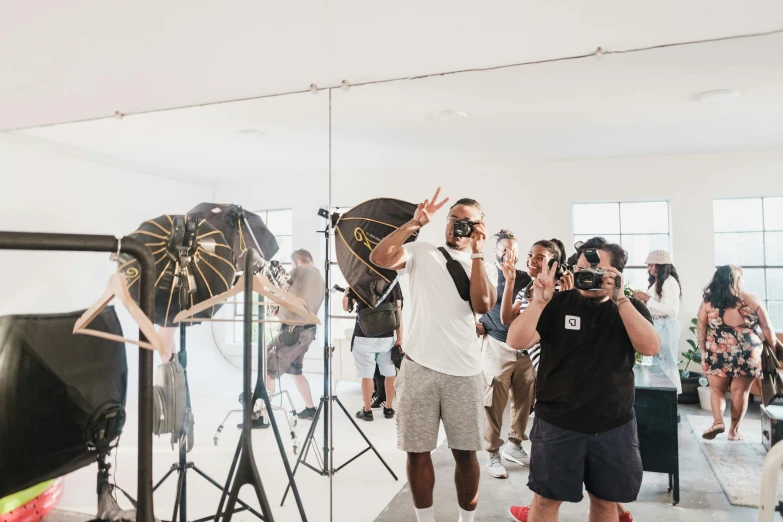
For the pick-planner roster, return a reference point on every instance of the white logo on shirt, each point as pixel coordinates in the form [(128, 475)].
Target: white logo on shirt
[(573, 322)]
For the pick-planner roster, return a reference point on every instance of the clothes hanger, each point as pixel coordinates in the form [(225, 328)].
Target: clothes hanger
[(117, 288), (262, 286)]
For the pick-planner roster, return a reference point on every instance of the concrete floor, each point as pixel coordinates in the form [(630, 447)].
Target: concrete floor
[(701, 496)]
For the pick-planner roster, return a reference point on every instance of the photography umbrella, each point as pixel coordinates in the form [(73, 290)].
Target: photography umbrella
[(356, 234), (62, 396), (242, 229), (211, 267)]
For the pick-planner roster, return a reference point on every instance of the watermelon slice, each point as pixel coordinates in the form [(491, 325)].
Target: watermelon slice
[(32, 504)]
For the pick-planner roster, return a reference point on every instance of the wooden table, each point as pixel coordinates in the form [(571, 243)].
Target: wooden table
[(656, 418)]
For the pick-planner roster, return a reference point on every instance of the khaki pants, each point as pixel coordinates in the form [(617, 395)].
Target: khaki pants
[(506, 370)]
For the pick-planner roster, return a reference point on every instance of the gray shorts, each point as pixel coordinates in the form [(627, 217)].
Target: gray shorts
[(288, 359), (425, 397)]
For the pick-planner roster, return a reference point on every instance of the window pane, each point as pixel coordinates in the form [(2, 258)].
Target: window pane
[(639, 246), (596, 218), (737, 215), (739, 249), (775, 284), (773, 213), (774, 248), (775, 309), (754, 281), (280, 222), (649, 217), (286, 249), (636, 278)]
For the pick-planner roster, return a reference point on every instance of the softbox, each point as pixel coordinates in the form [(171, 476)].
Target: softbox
[(62, 396), (211, 267), (357, 232), (242, 229)]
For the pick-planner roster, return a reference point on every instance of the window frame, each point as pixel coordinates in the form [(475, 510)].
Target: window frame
[(764, 230), (620, 232)]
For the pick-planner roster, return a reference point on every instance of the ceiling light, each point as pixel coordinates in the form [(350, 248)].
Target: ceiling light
[(449, 116), (720, 96), (251, 133)]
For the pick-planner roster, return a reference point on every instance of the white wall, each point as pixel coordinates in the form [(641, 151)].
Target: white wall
[(46, 192), (535, 200)]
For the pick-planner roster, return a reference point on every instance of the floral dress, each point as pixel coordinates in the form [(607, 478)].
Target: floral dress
[(733, 351)]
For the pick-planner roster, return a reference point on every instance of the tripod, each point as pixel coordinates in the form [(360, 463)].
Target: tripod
[(326, 466)]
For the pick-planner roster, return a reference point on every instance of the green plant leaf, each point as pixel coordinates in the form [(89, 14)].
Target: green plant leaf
[(692, 343), (694, 321)]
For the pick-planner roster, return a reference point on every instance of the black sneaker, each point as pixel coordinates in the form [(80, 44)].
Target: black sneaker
[(256, 424), (377, 403), (306, 414), (364, 415), (388, 413)]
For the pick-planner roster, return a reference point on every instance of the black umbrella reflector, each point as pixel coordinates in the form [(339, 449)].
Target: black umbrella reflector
[(209, 262), (62, 396), (357, 232), (241, 228)]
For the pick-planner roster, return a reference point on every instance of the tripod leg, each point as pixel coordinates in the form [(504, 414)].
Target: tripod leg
[(214, 483), (228, 481), (303, 452), (180, 485), (247, 473), (167, 475), (364, 436), (281, 448)]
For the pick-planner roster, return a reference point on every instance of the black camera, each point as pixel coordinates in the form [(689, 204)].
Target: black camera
[(591, 278), (562, 268), (464, 227)]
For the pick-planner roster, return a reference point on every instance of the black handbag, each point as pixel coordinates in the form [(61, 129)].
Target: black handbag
[(379, 320), (459, 276)]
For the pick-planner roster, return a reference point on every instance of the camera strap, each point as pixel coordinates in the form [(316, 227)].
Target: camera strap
[(459, 276)]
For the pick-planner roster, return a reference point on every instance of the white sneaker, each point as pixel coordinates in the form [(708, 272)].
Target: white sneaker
[(515, 453), (495, 466)]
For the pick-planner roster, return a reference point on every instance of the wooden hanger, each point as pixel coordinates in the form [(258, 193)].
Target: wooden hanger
[(262, 286), (118, 288)]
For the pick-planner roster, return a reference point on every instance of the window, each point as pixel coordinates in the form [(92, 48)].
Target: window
[(640, 227), (749, 233), (281, 224)]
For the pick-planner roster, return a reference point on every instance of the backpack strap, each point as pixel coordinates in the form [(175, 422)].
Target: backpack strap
[(459, 276)]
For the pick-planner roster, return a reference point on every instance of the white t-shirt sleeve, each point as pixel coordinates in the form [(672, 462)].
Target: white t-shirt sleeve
[(492, 273), (669, 303), (411, 250)]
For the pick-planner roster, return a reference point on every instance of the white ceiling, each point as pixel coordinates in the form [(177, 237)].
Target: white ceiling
[(68, 61), (624, 104)]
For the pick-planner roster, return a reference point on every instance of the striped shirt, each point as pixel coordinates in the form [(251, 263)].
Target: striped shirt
[(534, 351)]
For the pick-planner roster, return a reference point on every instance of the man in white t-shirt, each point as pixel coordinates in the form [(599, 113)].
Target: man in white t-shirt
[(441, 377)]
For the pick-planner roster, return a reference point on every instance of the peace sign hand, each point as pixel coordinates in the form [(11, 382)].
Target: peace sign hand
[(544, 285), (426, 210)]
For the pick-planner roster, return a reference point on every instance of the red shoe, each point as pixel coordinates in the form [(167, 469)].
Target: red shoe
[(520, 513), (626, 517)]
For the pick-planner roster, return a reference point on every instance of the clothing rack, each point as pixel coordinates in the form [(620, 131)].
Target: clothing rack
[(96, 243)]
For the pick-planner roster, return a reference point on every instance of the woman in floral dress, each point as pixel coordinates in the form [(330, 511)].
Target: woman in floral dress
[(732, 325)]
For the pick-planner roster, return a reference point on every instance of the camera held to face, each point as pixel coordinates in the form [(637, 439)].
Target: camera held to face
[(464, 227), (591, 278)]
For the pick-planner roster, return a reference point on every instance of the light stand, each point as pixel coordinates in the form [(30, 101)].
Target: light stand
[(183, 242), (326, 467)]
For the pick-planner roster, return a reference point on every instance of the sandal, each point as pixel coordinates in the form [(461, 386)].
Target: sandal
[(714, 431)]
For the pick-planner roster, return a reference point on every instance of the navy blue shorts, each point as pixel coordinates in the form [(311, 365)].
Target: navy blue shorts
[(608, 464)]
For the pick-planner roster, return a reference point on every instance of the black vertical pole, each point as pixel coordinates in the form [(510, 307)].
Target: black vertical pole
[(327, 354), (183, 458)]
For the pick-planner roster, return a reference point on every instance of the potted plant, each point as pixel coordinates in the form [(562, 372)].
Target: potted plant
[(690, 380)]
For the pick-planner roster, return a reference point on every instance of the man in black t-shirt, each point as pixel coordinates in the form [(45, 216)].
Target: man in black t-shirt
[(584, 431), (508, 372), (369, 351)]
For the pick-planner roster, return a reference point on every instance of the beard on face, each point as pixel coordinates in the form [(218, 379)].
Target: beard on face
[(451, 244), (500, 259), (592, 296)]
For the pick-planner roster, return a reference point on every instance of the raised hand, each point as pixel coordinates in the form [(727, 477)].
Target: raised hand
[(427, 209), (478, 237), (610, 282), (509, 267), (567, 281), (544, 285)]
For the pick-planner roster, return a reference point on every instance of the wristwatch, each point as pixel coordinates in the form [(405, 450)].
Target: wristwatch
[(480, 255)]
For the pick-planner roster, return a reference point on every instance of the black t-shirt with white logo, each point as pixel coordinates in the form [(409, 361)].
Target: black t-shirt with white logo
[(585, 377)]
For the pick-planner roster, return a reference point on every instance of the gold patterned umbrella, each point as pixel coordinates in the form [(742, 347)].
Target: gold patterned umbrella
[(211, 269)]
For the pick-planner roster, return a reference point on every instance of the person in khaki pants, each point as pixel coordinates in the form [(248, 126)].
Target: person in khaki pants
[(507, 371)]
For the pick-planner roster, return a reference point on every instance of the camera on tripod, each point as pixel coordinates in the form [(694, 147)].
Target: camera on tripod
[(592, 278)]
